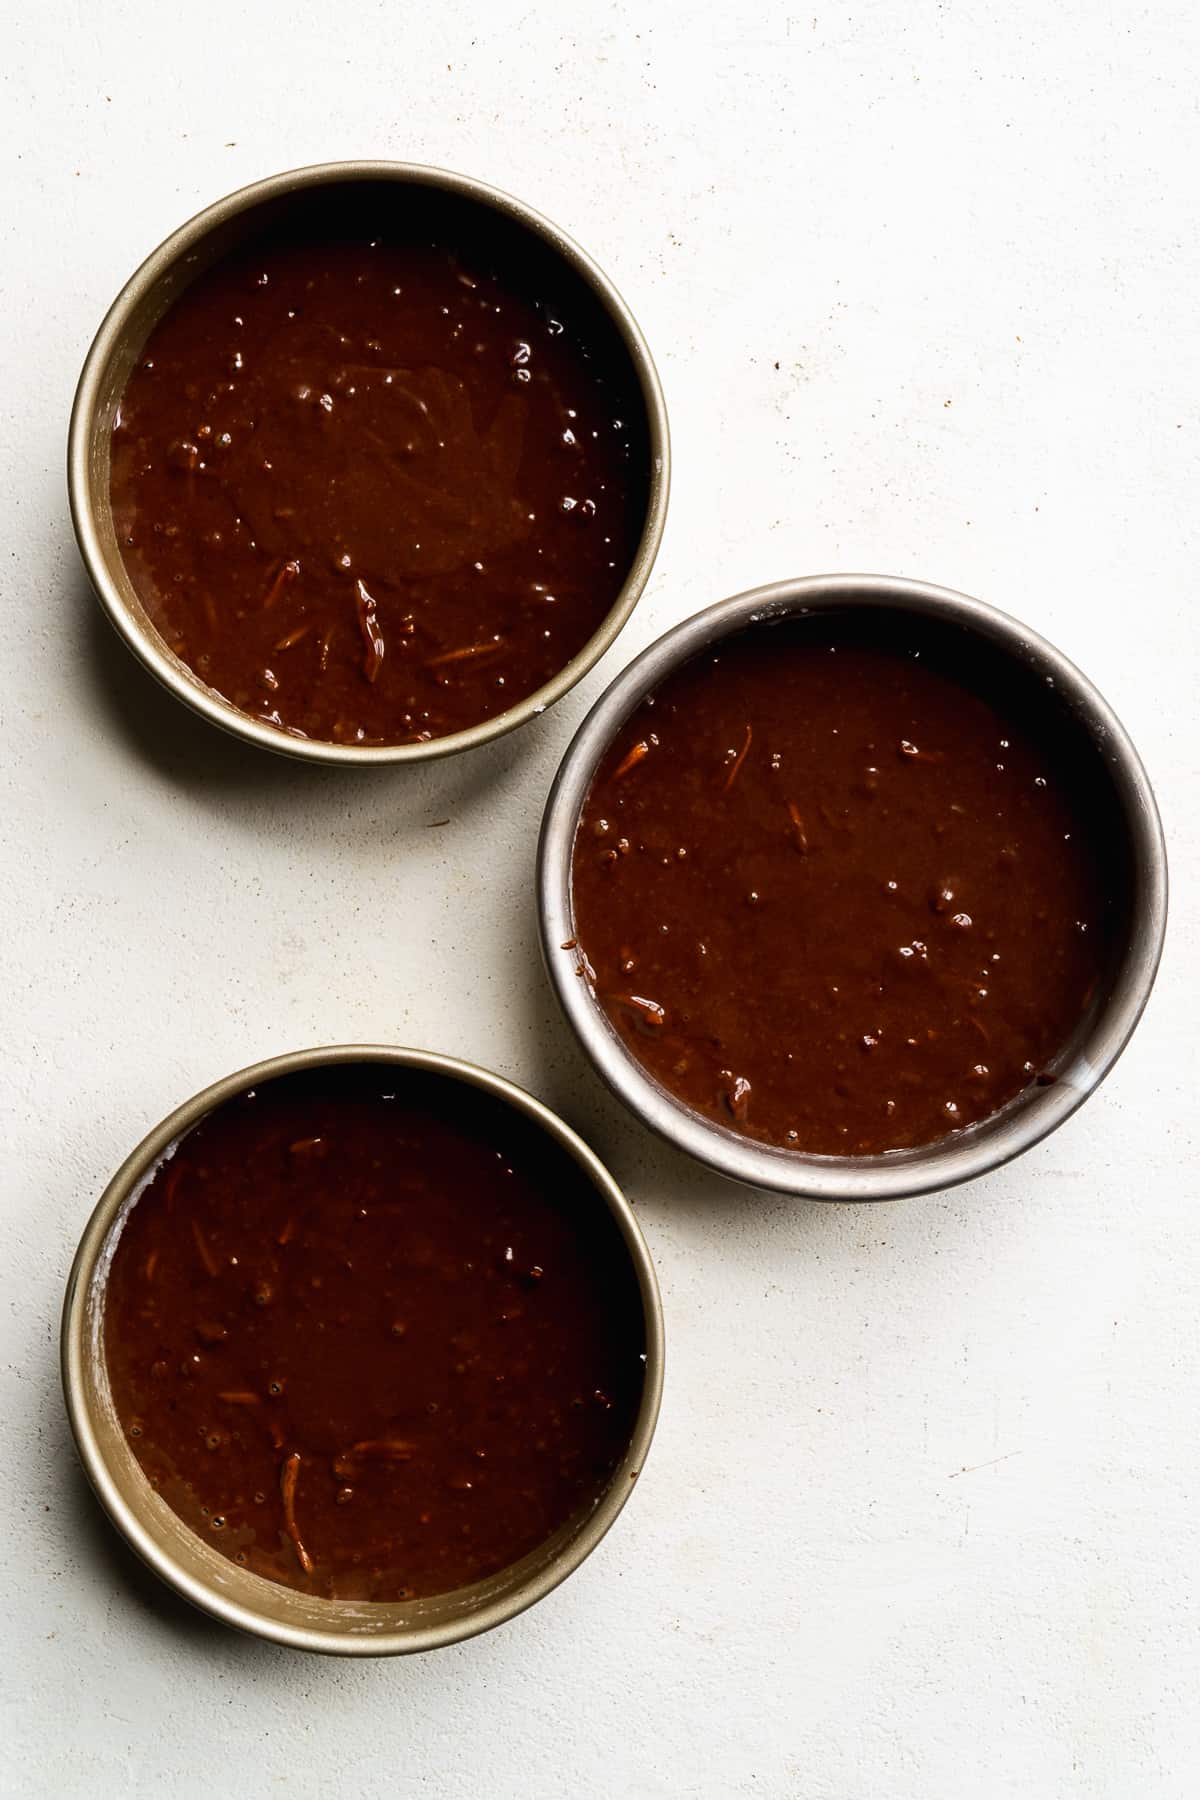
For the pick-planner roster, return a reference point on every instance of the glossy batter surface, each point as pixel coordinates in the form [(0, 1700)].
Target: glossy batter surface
[(372, 1335), (836, 893), (375, 483)]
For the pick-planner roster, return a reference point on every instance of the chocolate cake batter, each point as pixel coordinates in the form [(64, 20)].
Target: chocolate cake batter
[(371, 1334), (380, 474), (839, 891)]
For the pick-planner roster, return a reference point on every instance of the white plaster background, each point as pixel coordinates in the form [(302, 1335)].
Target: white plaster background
[(922, 1518)]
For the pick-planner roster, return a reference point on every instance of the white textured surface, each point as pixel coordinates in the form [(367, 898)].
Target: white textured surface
[(921, 1521)]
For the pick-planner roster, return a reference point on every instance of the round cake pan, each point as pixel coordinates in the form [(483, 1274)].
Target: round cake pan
[(1084, 1061), (233, 1594), (149, 293)]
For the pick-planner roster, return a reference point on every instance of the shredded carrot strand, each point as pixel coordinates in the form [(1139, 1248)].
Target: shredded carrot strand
[(798, 822), (453, 656), (206, 1256), (392, 1450), (632, 759), (288, 1478), (372, 636), (294, 637), (285, 577), (741, 757), (650, 1012)]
